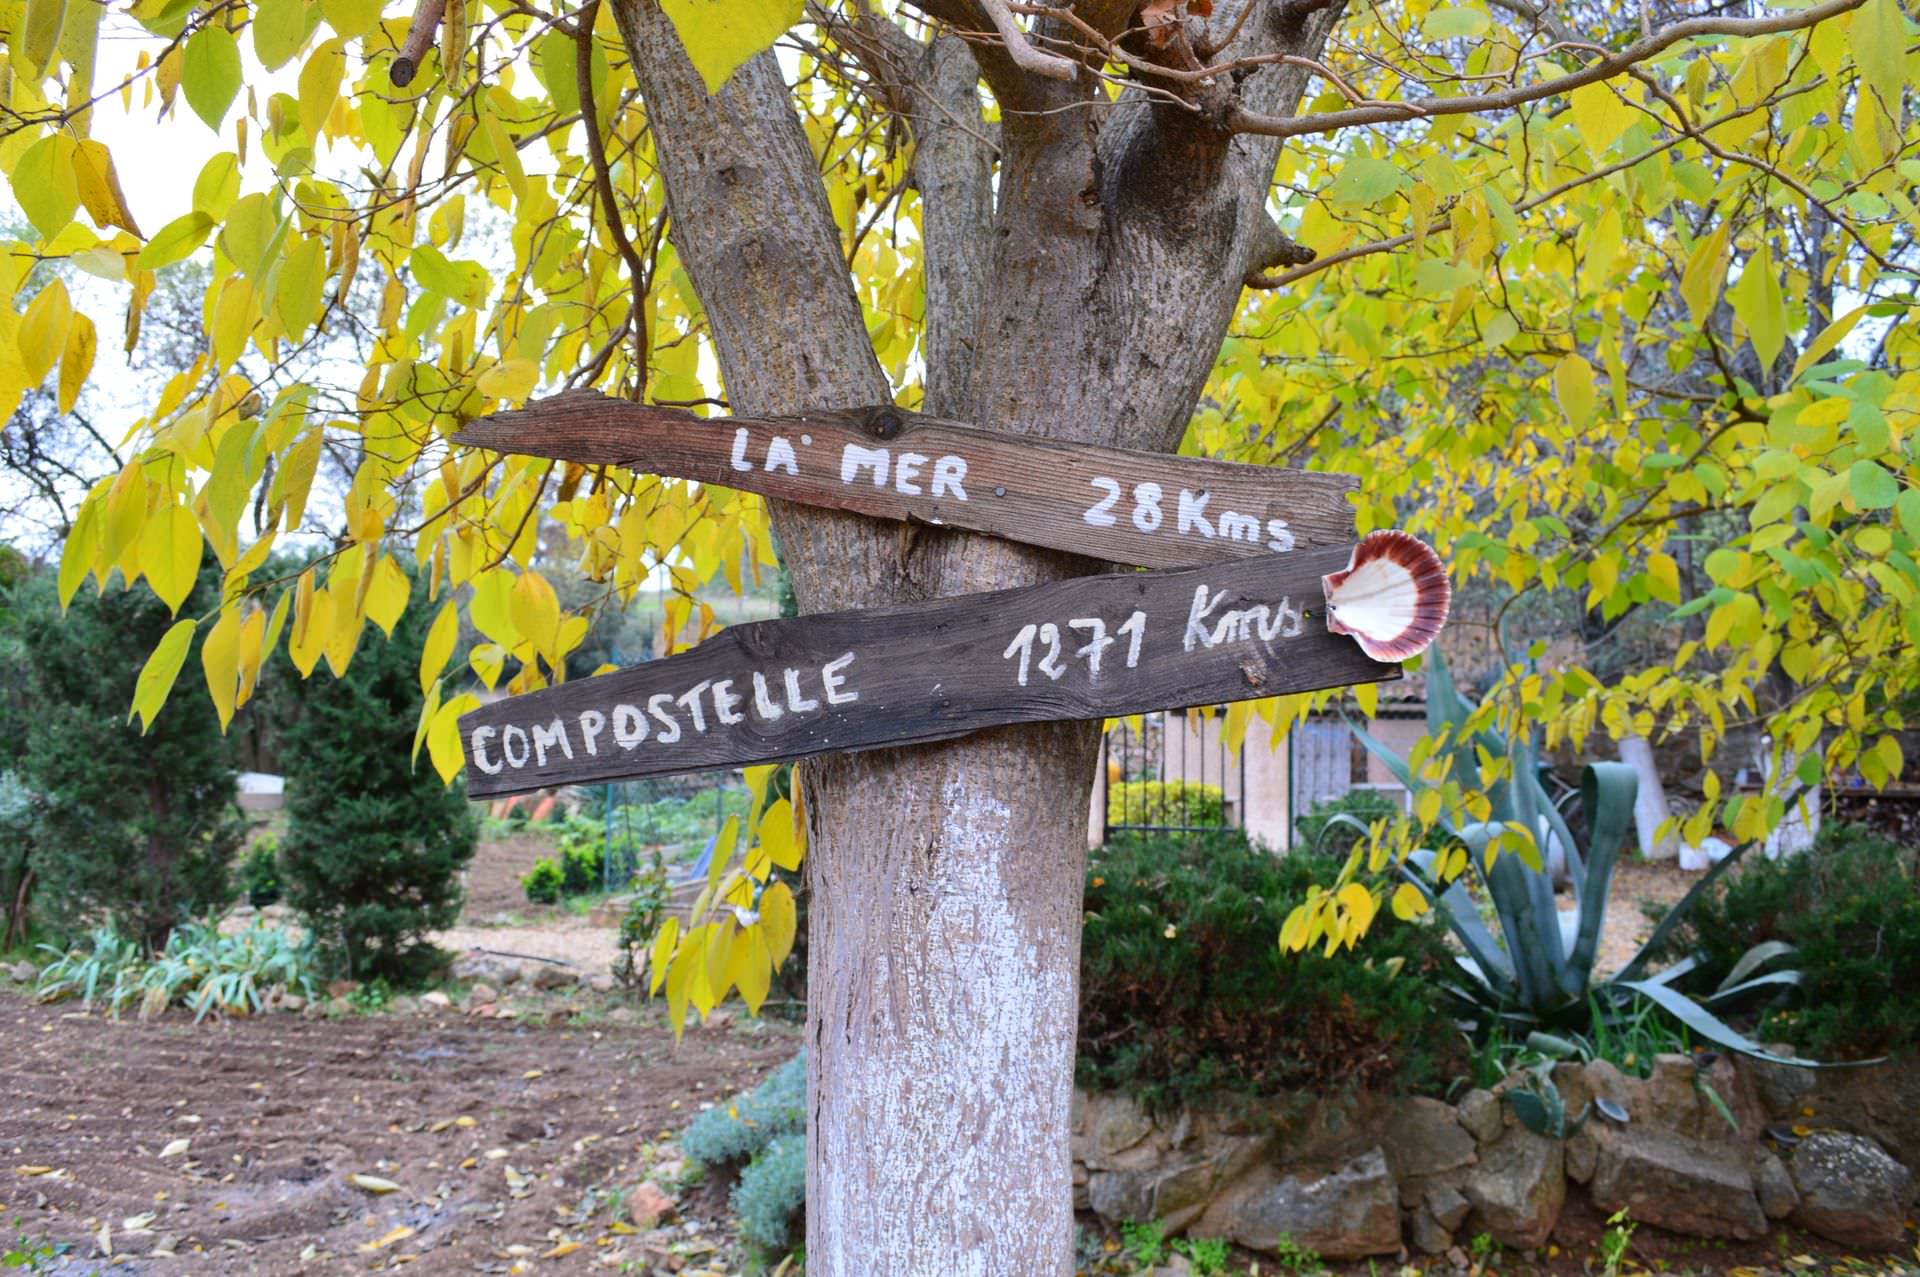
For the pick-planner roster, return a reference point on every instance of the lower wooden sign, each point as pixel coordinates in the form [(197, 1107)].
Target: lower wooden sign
[(1091, 647)]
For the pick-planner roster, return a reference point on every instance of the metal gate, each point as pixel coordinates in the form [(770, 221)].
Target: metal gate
[(1171, 772)]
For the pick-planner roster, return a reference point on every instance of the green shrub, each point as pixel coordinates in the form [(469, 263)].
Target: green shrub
[(374, 844), (742, 1127), (16, 859), (1183, 990), (1319, 829), (135, 829), (545, 883), (260, 872), (1165, 802), (772, 1193), (1850, 906)]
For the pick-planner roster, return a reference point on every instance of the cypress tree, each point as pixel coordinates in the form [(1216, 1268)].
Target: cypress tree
[(375, 844)]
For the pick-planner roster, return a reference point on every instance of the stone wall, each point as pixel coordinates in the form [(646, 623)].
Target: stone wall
[(1367, 1175)]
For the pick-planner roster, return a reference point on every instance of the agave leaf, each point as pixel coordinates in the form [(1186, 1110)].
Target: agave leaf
[(1686, 966), (1727, 995), (1718, 1031), (1344, 819), (1753, 959), (1533, 941), (1607, 791)]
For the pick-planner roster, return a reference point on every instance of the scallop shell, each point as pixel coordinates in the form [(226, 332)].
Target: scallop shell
[(1392, 597)]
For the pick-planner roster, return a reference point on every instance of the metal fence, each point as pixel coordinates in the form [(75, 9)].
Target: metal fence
[(677, 818), (1171, 772)]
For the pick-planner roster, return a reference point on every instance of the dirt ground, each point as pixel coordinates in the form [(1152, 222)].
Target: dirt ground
[(504, 1138)]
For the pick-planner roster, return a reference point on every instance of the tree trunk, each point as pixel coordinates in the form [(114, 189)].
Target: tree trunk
[(945, 923)]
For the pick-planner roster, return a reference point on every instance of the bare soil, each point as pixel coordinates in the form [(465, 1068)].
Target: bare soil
[(504, 1137)]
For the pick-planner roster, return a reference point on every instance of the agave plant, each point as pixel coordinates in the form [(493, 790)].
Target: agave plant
[(1538, 973)]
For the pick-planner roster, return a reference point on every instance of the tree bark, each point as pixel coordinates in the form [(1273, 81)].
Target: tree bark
[(945, 924)]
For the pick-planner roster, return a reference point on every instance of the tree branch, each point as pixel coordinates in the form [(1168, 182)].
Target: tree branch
[(603, 183), (1641, 50)]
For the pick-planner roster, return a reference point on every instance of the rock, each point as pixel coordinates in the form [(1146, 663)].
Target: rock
[(1782, 1088), (1173, 1196), (1347, 1213), (1457, 1257), (404, 1004), (292, 1003), (1481, 1115), (549, 975), (436, 1001), (1176, 1266), (1773, 1185), (1424, 1137), (1449, 1206), (481, 995), (337, 1006), (1119, 1126), (1582, 1153), (1426, 1233), (602, 983), (1518, 1188), (1673, 1182), (23, 972), (487, 968), (1851, 1192), (342, 988), (648, 1204)]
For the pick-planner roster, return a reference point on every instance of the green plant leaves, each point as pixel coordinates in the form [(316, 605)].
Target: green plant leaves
[(158, 674), (210, 73), (45, 185), (1365, 180)]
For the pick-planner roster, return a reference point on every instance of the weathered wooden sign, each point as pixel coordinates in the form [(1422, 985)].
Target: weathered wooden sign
[(1148, 509), (1092, 647)]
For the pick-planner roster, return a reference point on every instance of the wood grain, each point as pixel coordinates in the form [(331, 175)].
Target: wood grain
[(1160, 510), (860, 680)]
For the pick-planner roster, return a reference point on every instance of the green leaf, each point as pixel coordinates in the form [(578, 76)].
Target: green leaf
[(1436, 276), (1907, 504), (1365, 181), (157, 675), (720, 35), (1452, 24), (176, 241), (45, 185), (210, 74), (280, 27), (1872, 485), (1760, 303)]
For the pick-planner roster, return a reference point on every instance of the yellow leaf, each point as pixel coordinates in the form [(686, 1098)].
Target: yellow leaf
[(77, 361), (442, 635), (1408, 902), (777, 835), (373, 1184), (158, 674), (720, 35), (778, 915), (1663, 577), (1706, 269), (443, 738), (387, 594), (40, 34), (170, 554), (1293, 932), (233, 316), (1573, 387), (76, 556), (535, 610), (398, 1233), (751, 968), (1359, 904), (42, 336), (220, 660), (664, 943), (1600, 116), (511, 379), (99, 187)]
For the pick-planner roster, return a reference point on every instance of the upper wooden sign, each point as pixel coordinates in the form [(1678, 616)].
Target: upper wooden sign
[(1092, 647), (1150, 509)]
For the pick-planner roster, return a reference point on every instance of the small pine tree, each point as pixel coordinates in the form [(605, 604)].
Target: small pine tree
[(135, 829), (374, 844)]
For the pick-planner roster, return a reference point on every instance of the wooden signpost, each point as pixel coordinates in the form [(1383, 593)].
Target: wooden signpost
[(1145, 509), (1092, 647)]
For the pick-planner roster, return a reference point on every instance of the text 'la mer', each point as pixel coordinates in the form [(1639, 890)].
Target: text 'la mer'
[(913, 474), (665, 717)]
